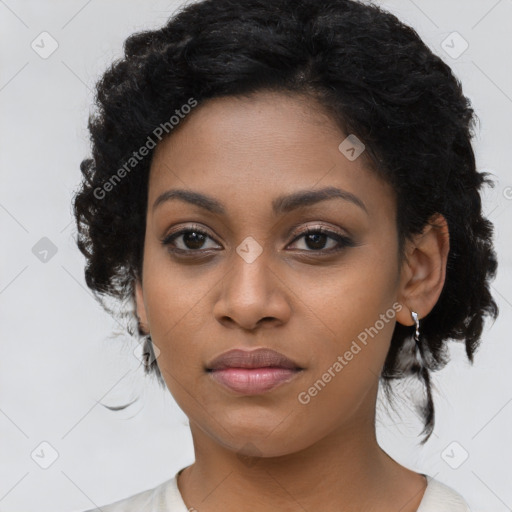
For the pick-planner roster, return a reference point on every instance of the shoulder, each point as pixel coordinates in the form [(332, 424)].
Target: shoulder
[(165, 497), (439, 497)]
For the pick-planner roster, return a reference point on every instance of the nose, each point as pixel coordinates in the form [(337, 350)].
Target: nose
[(252, 295)]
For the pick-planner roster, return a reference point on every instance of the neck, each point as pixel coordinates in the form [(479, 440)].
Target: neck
[(346, 467)]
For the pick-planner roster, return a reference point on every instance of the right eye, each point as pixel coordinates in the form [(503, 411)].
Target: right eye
[(192, 240)]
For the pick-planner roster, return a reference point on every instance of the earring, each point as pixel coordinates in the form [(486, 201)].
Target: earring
[(422, 370), (417, 322), (146, 351)]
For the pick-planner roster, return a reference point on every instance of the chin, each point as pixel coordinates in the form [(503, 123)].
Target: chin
[(269, 440)]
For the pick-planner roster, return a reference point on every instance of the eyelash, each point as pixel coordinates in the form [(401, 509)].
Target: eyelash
[(343, 241)]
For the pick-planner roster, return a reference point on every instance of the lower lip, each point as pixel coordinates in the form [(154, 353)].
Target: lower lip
[(253, 381)]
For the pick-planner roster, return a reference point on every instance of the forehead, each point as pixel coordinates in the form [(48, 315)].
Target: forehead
[(249, 151)]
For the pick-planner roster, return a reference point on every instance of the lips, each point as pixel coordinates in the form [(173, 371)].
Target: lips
[(259, 358), (252, 372)]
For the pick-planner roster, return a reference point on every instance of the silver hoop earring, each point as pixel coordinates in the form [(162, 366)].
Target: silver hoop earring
[(417, 322)]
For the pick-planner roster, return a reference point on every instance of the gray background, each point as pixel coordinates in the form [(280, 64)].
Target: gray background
[(61, 361)]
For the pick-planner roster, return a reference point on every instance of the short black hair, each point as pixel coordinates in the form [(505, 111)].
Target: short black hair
[(376, 79)]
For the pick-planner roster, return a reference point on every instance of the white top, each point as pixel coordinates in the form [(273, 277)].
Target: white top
[(166, 497)]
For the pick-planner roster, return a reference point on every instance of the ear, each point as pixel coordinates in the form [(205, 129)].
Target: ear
[(424, 270), (140, 307)]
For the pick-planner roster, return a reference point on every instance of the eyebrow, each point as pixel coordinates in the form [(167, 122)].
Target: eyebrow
[(280, 205)]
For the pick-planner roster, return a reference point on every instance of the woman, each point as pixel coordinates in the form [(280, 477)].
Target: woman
[(285, 191)]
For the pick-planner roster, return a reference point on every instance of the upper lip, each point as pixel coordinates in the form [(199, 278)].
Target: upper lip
[(259, 358)]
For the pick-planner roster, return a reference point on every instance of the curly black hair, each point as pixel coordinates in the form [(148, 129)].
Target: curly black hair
[(376, 79)]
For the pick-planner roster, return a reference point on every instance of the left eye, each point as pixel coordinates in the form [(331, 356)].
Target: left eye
[(317, 238)]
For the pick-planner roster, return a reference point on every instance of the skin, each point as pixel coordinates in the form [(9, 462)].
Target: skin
[(270, 450)]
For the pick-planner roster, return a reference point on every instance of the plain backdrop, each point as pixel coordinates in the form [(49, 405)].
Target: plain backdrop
[(61, 364)]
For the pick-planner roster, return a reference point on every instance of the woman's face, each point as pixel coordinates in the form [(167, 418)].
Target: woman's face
[(325, 301)]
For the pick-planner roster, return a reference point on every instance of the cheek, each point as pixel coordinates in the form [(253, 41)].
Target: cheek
[(351, 296), (353, 314), (175, 291), (175, 302)]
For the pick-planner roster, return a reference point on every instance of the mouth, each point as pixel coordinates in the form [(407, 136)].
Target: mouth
[(252, 372)]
